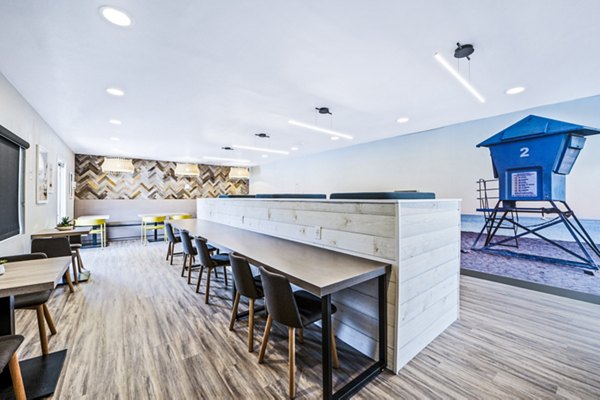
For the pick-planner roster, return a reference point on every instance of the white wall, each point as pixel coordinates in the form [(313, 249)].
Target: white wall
[(19, 117), (443, 160)]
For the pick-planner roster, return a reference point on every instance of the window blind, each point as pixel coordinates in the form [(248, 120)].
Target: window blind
[(10, 182)]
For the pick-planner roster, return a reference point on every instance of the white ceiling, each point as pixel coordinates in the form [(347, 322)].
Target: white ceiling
[(199, 75)]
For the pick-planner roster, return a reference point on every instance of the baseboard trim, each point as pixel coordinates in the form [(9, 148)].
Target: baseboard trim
[(571, 294)]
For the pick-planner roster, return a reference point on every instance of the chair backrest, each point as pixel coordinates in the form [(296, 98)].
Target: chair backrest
[(186, 243), (24, 257), (149, 220), (203, 253), (279, 298), (52, 247), (181, 216), (170, 233), (242, 276)]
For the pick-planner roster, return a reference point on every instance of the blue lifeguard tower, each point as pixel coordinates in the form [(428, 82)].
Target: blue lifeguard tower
[(531, 160)]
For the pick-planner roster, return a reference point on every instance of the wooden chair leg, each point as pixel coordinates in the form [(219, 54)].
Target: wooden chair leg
[(251, 325), (190, 263), (225, 273), (74, 267), (336, 361), (168, 251), (236, 303), (79, 260), (17, 379), (263, 345), (172, 253), (67, 277), (184, 263), (207, 285), (42, 328), (300, 335), (199, 279), (292, 359), (49, 319)]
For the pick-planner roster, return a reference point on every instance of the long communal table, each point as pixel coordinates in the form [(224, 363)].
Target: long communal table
[(320, 271), (40, 374)]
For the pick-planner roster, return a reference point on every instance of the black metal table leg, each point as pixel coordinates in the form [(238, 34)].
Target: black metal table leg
[(372, 371), (326, 347), (155, 231), (40, 374)]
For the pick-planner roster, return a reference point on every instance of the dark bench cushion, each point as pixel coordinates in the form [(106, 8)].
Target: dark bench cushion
[(291, 196), (383, 195), (236, 196)]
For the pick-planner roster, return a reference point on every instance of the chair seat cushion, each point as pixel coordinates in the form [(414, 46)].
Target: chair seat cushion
[(32, 299), (309, 307), (177, 239), (211, 248), (8, 345), (220, 259)]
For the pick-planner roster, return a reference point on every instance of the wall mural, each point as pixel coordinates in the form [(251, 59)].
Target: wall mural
[(151, 180)]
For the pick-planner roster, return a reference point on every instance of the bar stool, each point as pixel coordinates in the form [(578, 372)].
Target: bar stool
[(8, 356), (152, 224), (189, 253), (55, 247), (296, 310), (209, 262), (172, 239), (75, 242), (35, 301), (248, 286), (98, 227)]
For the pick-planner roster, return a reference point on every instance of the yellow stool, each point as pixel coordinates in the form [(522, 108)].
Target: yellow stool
[(146, 221), (98, 227), (181, 216)]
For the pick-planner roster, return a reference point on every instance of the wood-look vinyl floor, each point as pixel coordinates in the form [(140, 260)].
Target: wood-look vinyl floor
[(137, 330)]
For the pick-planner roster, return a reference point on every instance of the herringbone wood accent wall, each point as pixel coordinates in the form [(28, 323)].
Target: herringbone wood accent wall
[(151, 180)]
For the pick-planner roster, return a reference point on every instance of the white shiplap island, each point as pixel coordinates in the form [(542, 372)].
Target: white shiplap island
[(419, 238)]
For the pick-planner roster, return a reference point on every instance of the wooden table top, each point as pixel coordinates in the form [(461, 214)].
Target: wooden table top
[(319, 271), (32, 276), (54, 233)]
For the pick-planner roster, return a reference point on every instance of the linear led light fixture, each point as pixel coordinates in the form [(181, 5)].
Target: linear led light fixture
[(319, 129), (459, 77), (239, 146), (234, 160)]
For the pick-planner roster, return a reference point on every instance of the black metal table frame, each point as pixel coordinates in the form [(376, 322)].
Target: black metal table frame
[(367, 375)]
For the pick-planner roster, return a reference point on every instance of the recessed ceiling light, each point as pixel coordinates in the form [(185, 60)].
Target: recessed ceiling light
[(115, 139), (115, 91), (515, 90), (115, 16), (115, 121), (335, 138), (319, 129), (459, 77), (265, 156), (239, 146), (402, 120), (235, 160), (294, 148)]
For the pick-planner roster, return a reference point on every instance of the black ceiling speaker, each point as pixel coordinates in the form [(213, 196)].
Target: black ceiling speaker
[(323, 110), (227, 148), (464, 51), (262, 135)]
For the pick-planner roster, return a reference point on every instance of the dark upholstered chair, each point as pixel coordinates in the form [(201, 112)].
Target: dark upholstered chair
[(209, 262), (248, 286), (296, 310), (172, 239), (35, 301), (8, 356), (190, 253), (55, 247)]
